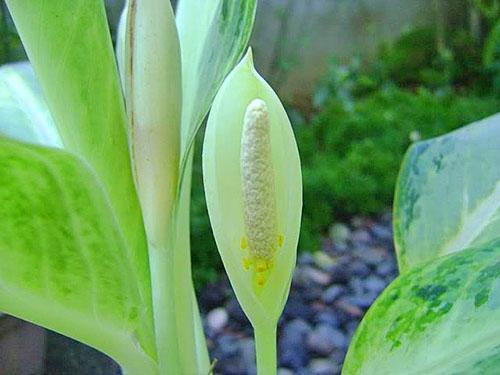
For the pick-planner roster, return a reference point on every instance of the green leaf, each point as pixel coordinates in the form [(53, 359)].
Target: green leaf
[(69, 46), (64, 260), (448, 194), (23, 111), (439, 318), (213, 36)]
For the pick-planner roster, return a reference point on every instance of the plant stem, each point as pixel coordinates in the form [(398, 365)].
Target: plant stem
[(162, 281), (265, 349)]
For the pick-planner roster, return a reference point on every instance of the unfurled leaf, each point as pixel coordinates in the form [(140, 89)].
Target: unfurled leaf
[(64, 261), (23, 111), (448, 194), (439, 318), (253, 188)]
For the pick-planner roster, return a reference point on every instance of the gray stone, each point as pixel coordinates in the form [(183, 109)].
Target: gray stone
[(327, 317), (382, 232), (323, 260), (217, 319), (332, 293), (247, 355), (361, 236), (292, 354), (324, 339), (339, 233), (316, 276), (305, 258), (375, 256), (358, 268), (374, 284), (387, 268), (324, 366)]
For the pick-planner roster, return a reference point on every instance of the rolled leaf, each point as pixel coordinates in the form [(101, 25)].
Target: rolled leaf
[(439, 318), (64, 263), (153, 91), (448, 194), (262, 294)]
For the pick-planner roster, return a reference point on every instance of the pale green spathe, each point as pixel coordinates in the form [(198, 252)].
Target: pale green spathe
[(222, 181)]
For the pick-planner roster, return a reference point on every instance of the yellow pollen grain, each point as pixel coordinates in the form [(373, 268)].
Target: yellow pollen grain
[(261, 280)]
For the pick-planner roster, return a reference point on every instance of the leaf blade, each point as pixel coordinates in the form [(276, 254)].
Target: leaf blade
[(448, 194), (62, 255), (440, 317)]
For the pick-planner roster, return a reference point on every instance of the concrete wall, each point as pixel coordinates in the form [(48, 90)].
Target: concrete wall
[(294, 39)]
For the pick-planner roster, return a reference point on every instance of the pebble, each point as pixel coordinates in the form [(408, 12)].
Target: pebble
[(387, 268), (318, 277), (349, 308), (324, 366), (361, 236), (324, 339), (284, 371), (291, 344), (214, 296), (374, 284), (295, 308), (217, 319), (323, 260), (359, 268), (332, 293), (327, 317), (236, 313), (382, 232), (247, 352), (339, 233)]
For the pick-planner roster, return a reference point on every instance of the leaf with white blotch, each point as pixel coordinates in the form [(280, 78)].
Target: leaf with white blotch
[(439, 318), (64, 264), (213, 36), (448, 194), (23, 111)]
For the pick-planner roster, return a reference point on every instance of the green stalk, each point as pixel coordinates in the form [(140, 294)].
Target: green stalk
[(162, 280), (265, 349), (191, 338)]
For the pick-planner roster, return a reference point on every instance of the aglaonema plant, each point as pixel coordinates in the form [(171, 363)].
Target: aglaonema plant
[(442, 314), (95, 173)]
